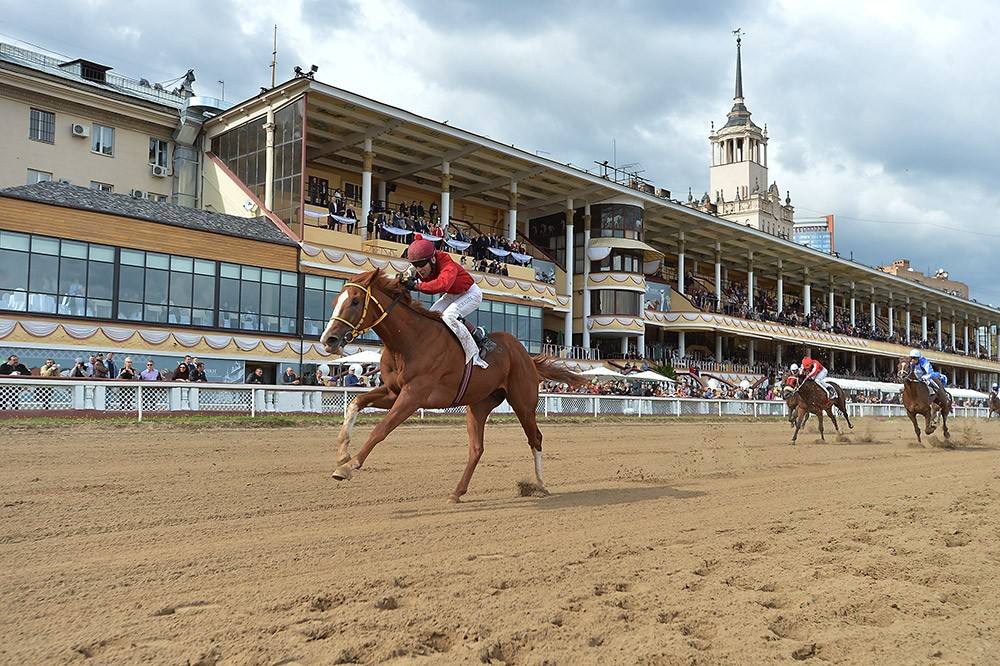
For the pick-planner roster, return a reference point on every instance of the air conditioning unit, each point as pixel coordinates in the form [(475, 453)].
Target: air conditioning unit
[(81, 130), (160, 171), (138, 194), (249, 206), (65, 181)]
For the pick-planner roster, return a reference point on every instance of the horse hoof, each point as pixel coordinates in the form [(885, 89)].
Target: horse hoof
[(454, 499), (343, 473)]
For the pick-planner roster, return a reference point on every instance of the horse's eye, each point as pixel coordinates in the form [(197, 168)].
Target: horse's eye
[(354, 301)]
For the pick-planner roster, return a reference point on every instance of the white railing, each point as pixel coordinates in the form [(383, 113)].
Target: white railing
[(85, 397)]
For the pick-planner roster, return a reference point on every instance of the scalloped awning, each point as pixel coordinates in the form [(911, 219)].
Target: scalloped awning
[(649, 252)]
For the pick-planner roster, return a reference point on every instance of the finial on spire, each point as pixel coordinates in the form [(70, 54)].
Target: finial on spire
[(739, 67)]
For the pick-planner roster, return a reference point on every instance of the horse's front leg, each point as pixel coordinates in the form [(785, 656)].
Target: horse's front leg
[(380, 397), (405, 404)]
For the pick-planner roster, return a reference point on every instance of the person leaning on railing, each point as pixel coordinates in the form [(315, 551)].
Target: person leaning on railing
[(50, 369), (14, 368), (128, 372)]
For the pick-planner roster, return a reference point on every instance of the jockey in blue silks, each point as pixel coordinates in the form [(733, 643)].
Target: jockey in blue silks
[(925, 372)]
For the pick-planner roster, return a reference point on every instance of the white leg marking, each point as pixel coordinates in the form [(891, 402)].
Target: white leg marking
[(538, 467)]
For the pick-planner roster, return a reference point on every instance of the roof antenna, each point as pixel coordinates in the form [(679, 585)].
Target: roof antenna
[(274, 54)]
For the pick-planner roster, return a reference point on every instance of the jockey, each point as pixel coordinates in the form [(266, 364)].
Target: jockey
[(925, 372), (814, 370), (437, 273), (996, 390), (792, 381)]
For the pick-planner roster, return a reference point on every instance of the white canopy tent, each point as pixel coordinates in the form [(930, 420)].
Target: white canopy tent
[(601, 371), (886, 387), (650, 376), (362, 357)]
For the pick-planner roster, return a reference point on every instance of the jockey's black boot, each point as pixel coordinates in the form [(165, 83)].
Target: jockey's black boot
[(483, 341)]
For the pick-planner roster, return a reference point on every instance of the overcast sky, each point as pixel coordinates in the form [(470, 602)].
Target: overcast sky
[(881, 113)]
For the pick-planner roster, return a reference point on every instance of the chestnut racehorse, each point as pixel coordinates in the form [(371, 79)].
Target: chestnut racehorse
[(994, 406), (917, 401), (423, 366), (810, 398)]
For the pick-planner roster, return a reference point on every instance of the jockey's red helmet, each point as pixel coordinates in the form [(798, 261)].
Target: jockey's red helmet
[(420, 249)]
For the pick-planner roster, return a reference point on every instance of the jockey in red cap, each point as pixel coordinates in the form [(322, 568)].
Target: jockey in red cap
[(813, 369), (438, 273)]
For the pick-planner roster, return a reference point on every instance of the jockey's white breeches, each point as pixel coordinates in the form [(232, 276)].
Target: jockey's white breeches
[(820, 379), (453, 306)]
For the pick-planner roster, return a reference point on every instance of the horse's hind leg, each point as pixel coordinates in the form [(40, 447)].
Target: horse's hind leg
[(820, 417), (930, 420), (525, 410), (833, 419), (475, 424), (944, 424)]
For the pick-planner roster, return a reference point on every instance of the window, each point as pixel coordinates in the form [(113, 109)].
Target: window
[(616, 220), (103, 187), (50, 276), (38, 176), (159, 152), (159, 198), (318, 191), (621, 261), (257, 299), (522, 321), (102, 140), (614, 302), (42, 126), (166, 289)]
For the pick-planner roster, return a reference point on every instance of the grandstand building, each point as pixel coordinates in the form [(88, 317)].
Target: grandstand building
[(569, 261)]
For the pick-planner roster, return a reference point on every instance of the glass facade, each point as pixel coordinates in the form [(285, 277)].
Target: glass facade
[(616, 221), (50, 276), (614, 302), (620, 260), (243, 151)]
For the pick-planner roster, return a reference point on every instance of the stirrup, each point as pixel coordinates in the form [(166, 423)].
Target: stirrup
[(483, 341)]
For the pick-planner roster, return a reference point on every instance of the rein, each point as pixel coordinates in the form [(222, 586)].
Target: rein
[(358, 329)]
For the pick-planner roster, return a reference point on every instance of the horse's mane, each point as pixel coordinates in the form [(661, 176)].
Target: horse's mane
[(392, 287)]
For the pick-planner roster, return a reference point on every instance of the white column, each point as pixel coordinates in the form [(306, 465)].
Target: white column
[(446, 200), (269, 160), (807, 295), (874, 367), (954, 337), (909, 321), (624, 346), (872, 308), (892, 323), (781, 287), (778, 354), (940, 330), (833, 360), (718, 272), (923, 325), (718, 348), (977, 338), (830, 306), (854, 362), (751, 351), (366, 188), (681, 344), (750, 285), (585, 338), (680, 263), (568, 323), (512, 212), (965, 336), (853, 307)]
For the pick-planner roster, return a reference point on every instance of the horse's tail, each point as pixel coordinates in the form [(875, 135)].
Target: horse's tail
[(548, 367)]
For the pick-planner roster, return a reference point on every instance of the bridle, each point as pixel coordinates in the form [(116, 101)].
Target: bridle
[(359, 329)]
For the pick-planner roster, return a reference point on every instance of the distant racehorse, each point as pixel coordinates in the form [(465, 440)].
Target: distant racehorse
[(810, 398), (994, 406), (917, 401), (423, 366)]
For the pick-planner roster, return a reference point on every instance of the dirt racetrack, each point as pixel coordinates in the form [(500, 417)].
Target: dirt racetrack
[(667, 543)]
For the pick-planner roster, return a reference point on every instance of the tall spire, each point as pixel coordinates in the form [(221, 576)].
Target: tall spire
[(739, 67)]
